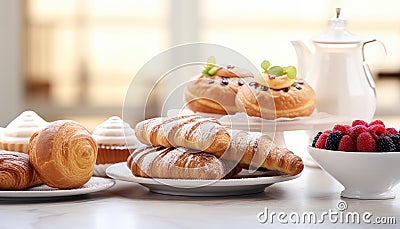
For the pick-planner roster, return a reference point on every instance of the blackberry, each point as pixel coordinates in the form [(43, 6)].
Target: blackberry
[(332, 142), (385, 144), (396, 141), (264, 88), (224, 81), (316, 139)]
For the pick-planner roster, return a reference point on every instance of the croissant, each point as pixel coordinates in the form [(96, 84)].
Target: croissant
[(255, 150), (16, 172), (64, 154), (194, 132), (178, 163)]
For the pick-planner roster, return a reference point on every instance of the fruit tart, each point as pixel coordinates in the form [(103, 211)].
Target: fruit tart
[(214, 91), (277, 92)]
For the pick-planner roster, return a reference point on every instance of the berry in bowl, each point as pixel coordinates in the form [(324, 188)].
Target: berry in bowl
[(363, 157)]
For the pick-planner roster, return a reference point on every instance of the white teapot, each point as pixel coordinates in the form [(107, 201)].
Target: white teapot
[(335, 67)]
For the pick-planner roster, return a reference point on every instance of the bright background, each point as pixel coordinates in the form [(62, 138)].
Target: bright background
[(75, 58)]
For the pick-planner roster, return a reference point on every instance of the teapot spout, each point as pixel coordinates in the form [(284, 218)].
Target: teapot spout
[(304, 55)]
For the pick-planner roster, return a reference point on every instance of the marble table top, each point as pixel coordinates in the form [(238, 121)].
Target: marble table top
[(129, 205)]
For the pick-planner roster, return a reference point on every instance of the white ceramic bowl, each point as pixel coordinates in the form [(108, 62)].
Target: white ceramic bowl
[(364, 175)]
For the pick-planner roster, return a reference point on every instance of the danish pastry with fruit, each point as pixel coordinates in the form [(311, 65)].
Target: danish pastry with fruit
[(214, 91), (276, 93)]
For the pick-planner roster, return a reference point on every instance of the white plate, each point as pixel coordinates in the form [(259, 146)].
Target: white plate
[(95, 184), (224, 187)]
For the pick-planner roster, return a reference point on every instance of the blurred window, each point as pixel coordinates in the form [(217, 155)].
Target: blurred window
[(82, 54)]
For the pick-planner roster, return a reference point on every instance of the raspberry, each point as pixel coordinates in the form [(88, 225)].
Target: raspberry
[(357, 130), (347, 144), (327, 131), (316, 139), (366, 143), (377, 122), (332, 142), (359, 122), (390, 131), (344, 129), (385, 144), (376, 130), (396, 141), (321, 142)]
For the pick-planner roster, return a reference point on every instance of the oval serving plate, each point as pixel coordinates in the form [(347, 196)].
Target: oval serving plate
[(186, 187)]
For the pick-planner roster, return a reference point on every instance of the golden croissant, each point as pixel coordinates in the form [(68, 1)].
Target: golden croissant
[(64, 154), (193, 132), (16, 172), (178, 163), (255, 150)]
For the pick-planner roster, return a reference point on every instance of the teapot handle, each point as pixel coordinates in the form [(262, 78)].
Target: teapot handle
[(370, 41), (366, 69), (368, 75)]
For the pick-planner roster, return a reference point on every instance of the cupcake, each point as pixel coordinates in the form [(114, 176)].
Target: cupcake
[(115, 140), (16, 136)]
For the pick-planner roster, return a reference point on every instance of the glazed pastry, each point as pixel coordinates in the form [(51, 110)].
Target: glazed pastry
[(253, 150), (16, 172), (16, 135), (178, 163), (271, 96), (215, 90), (63, 154), (193, 132), (115, 140)]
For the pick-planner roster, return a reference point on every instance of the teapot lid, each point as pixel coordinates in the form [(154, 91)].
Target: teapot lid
[(337, 33)]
